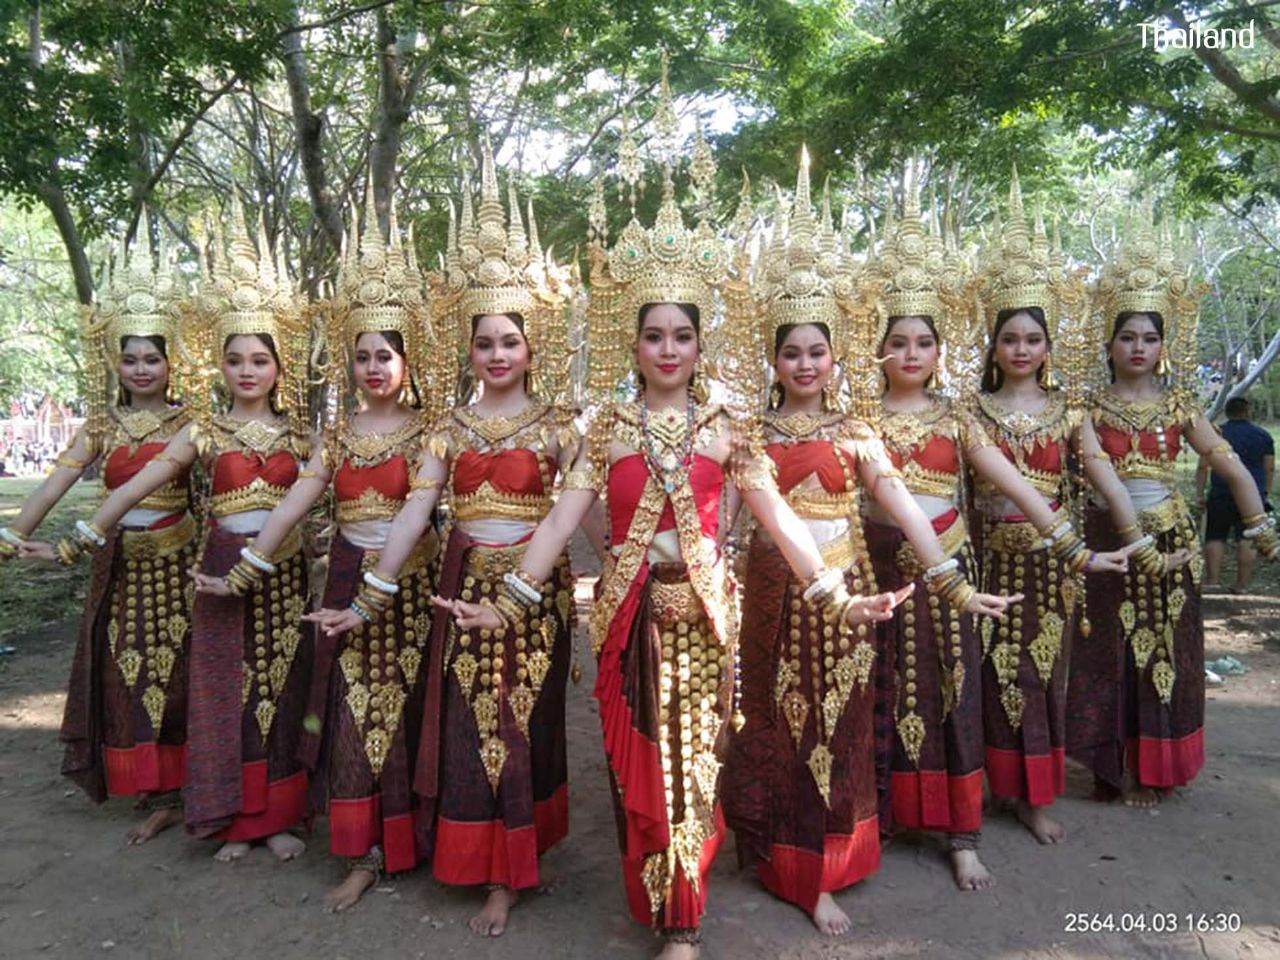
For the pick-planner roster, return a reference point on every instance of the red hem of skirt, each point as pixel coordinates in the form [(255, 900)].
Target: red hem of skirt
[(266, 808), (936, 800), (144, 768), (1039, 780), (798, 875), (1162, 763), (488, 851), (684, 905), (356, 825)]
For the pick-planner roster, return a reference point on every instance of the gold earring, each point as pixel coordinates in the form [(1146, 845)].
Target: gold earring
[(1047, 379), (1162, 365), (776, 396), (698, 383)]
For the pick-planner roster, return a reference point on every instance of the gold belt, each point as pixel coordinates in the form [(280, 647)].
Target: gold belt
[(1165, 515), (370, 505), (417, 562), (1011, 537), (490, 563), (952, 540), (150, 544), (258, 495), (674, 602)]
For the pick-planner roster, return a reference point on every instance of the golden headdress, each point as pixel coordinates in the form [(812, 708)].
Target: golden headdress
[(1017, 273), (1145, 276), (915, 272), (494, 264), (664, 263), (139, 299), (1142, 277), (248, 292), (379, 289), (803, 274)]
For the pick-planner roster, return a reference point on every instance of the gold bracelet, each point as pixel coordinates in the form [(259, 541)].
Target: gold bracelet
[(373, 598), (429, 484), (68, 551), (1125, 531), (509, 610), (1252, 520), (1149, 560)]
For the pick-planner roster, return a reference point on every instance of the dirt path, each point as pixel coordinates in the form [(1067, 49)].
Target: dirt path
[(70, 888)]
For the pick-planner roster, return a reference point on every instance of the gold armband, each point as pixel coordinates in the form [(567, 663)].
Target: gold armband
[(67, 460)]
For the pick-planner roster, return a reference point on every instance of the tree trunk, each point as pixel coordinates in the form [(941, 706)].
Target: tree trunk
[(394, 96), (309, 127), (53, 197)]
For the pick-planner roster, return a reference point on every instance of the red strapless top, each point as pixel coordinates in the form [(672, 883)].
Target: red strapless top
[(388, 479), (1044, 457), (236, 469), (821, 458), (507, 471), (627, 478), (123, 464), (939, 454), (1117, 442)]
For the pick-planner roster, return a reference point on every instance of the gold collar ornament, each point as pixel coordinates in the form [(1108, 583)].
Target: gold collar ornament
[(495, 264), (663, 263), (379, 289), (247, 292)]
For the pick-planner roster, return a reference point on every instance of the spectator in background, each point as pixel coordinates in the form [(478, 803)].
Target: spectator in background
[(1257, 451)]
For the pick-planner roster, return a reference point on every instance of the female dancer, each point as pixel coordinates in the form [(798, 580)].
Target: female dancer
[(662, 624), (125, 725), (367, 689), (934, 697), (492, 772), (1136, 696), (800, 785), (249, 664)]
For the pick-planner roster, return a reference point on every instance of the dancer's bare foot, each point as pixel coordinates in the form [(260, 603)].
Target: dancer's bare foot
[(829, 918), (970, 873), (159, 821), (349, 891), (491, 921), (285, 846), (679, 951), (1141, 797), (230, 852), (1036, 819)]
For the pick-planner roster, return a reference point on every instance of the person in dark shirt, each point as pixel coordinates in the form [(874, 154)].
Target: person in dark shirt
[(1256, 450)]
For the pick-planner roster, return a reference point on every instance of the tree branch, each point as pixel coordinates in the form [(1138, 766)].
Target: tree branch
[(1226, 73)]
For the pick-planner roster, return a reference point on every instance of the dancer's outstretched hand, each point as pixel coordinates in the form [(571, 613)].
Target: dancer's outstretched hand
[(334, 623), (471, 616), (992, 604)]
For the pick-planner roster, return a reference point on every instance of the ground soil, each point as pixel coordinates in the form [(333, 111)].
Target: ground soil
[(70, 887)]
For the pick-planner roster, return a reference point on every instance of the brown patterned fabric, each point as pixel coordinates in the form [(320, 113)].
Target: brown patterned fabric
[(223, 733), (101, 712), (943, 789), (1112, 707), (770, 797)]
